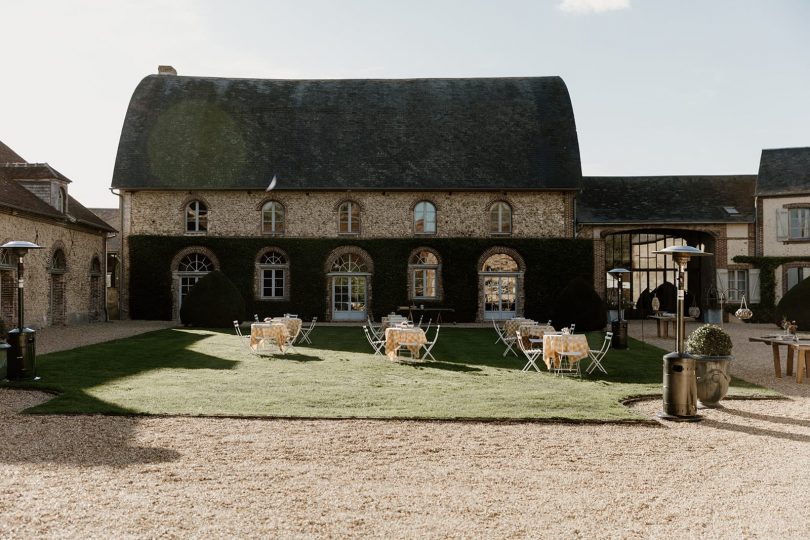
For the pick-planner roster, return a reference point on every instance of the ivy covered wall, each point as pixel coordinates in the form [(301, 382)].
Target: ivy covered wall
[(550, 265)]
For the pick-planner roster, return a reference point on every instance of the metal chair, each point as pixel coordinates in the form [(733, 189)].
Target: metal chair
[(429, 345), (303, 336), (571, 329), (244, 339), (376, 344), (564, 364), (596, 355), (499, 331), (532, 354)]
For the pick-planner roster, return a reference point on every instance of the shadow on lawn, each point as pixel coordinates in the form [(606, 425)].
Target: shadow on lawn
[(72, 372)]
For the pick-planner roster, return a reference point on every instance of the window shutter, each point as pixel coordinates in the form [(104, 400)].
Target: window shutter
[(781, 224), (753, 286), (722, 282)]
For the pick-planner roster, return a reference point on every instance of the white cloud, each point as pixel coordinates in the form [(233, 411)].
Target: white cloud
[(586, 7)]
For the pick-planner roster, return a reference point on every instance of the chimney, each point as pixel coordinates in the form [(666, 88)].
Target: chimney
[(166, 70)]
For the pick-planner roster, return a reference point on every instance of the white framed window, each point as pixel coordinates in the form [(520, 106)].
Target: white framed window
[(196, 217), (273, 269), (424, 273), (424, 218), (190, 270), (500, 218), (737, 285), (794, 275), (349, 218), (273, 218), (799, 224)]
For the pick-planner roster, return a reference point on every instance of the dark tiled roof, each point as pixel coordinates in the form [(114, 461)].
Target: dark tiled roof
[(209, 133), (784, 171), (666, 199), (112, 217), (7, 155), (16, 197), (33, 171)]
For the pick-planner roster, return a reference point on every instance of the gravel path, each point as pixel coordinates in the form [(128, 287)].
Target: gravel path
[(740, 473)]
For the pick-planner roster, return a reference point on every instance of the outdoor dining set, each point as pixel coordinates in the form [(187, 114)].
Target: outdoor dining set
[(398, 335), (276, 334), (561, 351)]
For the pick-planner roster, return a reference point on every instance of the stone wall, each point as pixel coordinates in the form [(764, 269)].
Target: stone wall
[(315, 215), (383, 214), (75, 285)]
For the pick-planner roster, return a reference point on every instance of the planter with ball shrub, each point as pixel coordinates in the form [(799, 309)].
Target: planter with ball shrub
[(710, 345)]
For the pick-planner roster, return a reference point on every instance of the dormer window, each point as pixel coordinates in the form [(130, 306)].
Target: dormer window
[(61, 198)]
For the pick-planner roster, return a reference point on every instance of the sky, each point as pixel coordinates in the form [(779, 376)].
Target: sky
[(659, 87)]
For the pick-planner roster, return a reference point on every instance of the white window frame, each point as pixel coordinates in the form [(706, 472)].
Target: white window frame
[(422, 269), (799, 223), (193, 217), (738, 281), (499, 225), (278, 218), (352, 224), (424, 211), (282, 266)]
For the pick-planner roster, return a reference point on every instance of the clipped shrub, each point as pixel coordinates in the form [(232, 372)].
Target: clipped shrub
[(578, 303), (795, 306), (214, 302), (709, 340)]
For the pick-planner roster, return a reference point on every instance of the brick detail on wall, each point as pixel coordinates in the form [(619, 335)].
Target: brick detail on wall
[(176, 275)]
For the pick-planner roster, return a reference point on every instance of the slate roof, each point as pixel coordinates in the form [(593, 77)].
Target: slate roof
[(410, 134), (16, 197), (7, 155), (112, 217), (33, 171), (666, 199), (784, 171)]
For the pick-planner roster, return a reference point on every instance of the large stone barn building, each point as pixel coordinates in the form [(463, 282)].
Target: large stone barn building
[(348, 198)]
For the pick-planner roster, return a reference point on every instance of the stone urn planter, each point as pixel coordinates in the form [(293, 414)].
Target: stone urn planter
[(710, 345)]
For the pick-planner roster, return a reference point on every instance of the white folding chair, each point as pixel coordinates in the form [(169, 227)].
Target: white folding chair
[(419, 324), (256, 317), (428, 326), (245, 339), (429, 345), (376, 344), (303, 335), (596, 355), (509, 342), (532, 354), (564, 364), (374, 327), (498, 330), (291, 315), (571, 329)]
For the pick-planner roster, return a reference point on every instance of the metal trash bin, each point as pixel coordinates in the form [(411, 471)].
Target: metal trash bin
[(619, 329), (680, 385), (4, 347), (22, 356)]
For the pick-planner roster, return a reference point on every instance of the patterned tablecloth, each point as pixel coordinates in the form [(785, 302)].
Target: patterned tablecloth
[(511, 326), (293, 325), (395, 336), (533, 331), (274, 331), (562, 342)]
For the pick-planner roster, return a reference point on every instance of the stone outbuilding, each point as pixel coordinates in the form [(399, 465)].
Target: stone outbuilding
[(64, 281)]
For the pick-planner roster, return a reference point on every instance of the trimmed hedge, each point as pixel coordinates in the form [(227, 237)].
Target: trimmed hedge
[(795, 305), (213, 302), (550, 265), (578, 303)]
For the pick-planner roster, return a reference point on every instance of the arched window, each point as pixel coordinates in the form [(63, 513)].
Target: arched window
[(95, 267), (349, 262), (349, 218), (5, 258), (500, 218), (273, 268), (424, 268), (190, 269), (196, 217), (61, 197), (58, 262), (499, 275), (273, 218), (424, 218)]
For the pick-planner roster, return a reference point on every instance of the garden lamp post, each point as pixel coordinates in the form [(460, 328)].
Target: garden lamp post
[(680, 383), (22, 354), (619, 327)]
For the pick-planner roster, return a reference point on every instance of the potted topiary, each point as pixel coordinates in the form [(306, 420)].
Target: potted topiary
[(710, 345)]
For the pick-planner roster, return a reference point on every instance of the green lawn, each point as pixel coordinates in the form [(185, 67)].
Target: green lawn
[(203, 372)]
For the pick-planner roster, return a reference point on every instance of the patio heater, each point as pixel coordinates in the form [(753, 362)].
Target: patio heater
[(22, 354), (680, 382), (619, 326)]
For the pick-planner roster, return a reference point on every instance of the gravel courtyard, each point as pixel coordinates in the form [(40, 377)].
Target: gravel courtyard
[(740, 473)]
